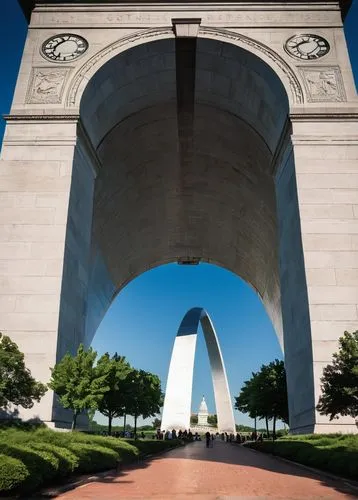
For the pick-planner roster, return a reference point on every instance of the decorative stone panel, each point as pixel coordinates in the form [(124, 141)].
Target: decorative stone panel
[(46, 85), (323, 84)]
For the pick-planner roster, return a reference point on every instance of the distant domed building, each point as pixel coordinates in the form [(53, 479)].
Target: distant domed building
[(203, 413), (203, 426)]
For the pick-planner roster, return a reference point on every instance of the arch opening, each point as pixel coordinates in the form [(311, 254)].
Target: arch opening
[(218, 205), (191, 141)]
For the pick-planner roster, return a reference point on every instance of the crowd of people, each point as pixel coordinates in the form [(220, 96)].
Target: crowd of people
[(189, 436), (184, 435), (209, 437), (126, 434)]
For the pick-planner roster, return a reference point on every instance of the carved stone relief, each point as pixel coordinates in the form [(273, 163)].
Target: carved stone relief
[(46, 85), (323, 84)]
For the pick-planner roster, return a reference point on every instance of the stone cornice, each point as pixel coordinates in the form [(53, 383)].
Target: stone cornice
[(28, 5), (41, 117), (326, 116), (189, 6)]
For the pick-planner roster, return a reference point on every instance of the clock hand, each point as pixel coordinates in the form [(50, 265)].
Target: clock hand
[(300, 43)]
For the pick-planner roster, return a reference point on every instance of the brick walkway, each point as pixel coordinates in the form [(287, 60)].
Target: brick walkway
[(225, 471)]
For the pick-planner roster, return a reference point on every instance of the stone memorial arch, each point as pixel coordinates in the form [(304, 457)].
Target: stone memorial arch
[(145, 133), (178, 391)]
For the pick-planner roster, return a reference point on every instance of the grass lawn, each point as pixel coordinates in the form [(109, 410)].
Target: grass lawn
[(34, 457), (335, 453)]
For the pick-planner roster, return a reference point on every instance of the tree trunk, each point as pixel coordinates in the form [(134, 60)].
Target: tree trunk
[(274, 428), (124, 423), (135, 425), (74, 420), (110, 424), (255, 424), (267, 427)]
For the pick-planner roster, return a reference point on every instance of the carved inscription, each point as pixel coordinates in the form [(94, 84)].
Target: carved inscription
[(46, 85), (233, 17), (323, 84)]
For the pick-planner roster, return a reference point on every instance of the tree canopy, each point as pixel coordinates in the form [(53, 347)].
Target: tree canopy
[(79, 384), (114, 401), (213, 419), (111, 386), (145, 396), (340, 380), (157, 423), (264, 395), (17, 386)]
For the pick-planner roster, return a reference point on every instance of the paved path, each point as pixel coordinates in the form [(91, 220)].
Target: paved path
[(222, 472)]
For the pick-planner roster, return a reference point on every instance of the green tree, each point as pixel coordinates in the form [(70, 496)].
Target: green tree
[(274, 393), (247, 400), (113, 402), (79, 384), (193, 419), (17, 386), (212, 419), (157, 423), (340, 380), (145, 395), (264, 396)]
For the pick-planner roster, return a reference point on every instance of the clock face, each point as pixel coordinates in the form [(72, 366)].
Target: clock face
[(65, 47), (307, 46)]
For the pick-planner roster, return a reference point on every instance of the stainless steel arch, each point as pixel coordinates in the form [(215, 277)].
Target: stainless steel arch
[(177, 403)]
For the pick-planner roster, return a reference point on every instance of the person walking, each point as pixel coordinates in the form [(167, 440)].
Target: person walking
[(207, 439)]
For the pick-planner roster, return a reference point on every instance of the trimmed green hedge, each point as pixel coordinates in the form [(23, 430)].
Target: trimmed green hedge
[(41, 465), (94, 458), (14, 473), (333, 453), (34, 457)]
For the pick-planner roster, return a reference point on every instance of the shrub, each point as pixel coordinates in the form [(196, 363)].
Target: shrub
[(42, 466), (18, 424), (334, 453), (127, 451), (68, 461), (38, 455), (94, 458), (13, 474)]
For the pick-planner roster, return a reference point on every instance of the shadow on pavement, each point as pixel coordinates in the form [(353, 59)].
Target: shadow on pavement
[(225, 453)]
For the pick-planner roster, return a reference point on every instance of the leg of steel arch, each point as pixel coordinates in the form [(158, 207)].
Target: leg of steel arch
[(223, 403), (177, 404)]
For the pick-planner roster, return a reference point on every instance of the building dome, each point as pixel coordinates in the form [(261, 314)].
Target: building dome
[(203, 409)]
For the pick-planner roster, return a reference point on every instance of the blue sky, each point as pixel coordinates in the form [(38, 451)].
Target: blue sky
[(142, 322)]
